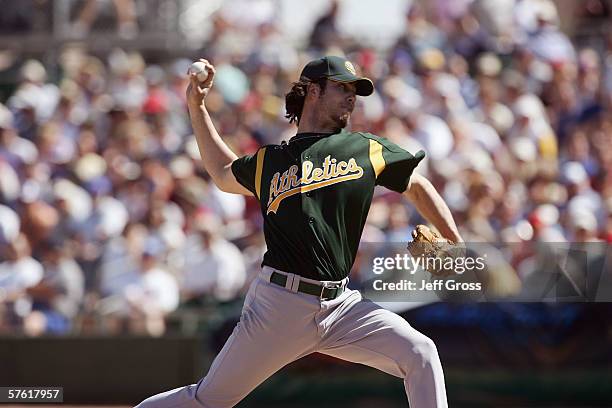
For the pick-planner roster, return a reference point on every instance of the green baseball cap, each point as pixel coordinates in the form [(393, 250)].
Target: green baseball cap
[(337, 69)]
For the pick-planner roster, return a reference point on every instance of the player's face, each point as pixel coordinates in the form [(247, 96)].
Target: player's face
[(338, 102)]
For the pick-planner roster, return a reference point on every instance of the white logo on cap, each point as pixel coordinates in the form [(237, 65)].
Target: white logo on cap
[(350, 67)]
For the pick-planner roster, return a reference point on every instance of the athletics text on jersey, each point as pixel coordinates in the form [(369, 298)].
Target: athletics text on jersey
[(288, 184)]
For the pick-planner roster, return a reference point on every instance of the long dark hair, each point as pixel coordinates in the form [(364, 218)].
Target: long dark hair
[(294, 100)]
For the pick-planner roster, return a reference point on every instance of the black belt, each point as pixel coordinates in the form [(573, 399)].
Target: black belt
[(324, 291)]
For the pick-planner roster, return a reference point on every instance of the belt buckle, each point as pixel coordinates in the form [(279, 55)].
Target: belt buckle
[(328, 285)]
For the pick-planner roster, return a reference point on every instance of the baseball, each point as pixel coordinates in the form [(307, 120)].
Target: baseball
[(199, 68)]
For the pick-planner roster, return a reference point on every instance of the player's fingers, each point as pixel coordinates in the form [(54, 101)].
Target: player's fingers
[(209, 79), (210, 67), (194, 83), (193, 80), (208, 83)]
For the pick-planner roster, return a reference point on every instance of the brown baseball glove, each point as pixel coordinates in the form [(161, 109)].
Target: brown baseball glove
[(433, 249)]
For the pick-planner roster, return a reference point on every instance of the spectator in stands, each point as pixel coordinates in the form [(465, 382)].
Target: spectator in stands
[(153, 295), (212, 266), (18, 273), (57, 297), (127, 26), (325, 32)]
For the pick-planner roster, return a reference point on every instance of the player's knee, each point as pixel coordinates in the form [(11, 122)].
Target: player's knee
[(422, 355), (429, 350)]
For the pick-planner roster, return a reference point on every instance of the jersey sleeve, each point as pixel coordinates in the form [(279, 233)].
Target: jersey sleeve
[(245, 170), (398, 166)]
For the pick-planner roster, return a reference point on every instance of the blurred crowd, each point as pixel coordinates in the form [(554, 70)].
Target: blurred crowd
[(109, 223)]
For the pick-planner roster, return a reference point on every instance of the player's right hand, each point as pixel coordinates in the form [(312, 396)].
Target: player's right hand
[(197, 91)]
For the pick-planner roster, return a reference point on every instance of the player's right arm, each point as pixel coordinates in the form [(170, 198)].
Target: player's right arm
[(217, 157)]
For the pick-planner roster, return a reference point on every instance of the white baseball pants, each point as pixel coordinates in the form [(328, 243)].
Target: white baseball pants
[(279, 325)]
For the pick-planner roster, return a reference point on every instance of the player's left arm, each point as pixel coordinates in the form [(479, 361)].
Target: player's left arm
[(428, 202)]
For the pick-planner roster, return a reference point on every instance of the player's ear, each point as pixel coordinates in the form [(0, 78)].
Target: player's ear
[(313, 90)]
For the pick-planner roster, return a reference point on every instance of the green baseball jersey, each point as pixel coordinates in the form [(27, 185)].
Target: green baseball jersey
[(315, 193)]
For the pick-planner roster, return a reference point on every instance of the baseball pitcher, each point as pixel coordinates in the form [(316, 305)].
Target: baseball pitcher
[(314, 192)]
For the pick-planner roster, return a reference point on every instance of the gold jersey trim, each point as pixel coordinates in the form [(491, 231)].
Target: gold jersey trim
[(376, 157), (258, 171)]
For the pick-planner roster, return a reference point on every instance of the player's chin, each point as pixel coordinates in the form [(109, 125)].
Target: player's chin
[(343, 120)]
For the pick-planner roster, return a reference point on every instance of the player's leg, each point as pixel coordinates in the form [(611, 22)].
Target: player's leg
[(276, 328), (363, 332)]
